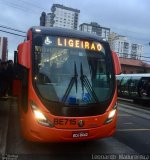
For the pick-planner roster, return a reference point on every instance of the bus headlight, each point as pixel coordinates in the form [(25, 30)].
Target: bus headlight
[(40, 117), (111, 115)]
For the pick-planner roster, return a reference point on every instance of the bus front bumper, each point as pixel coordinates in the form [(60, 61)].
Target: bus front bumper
[(45, 134)]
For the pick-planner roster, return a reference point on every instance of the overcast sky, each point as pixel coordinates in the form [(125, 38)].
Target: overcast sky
[(126, 17)]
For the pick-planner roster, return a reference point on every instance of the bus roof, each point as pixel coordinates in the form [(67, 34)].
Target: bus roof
[(57, 31)]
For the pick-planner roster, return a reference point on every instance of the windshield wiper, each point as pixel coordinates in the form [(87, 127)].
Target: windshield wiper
[(72, 81), (85, 83)]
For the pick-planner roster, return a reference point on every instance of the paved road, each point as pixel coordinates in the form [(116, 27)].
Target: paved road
[(132, 137), (4, 119), (134, 128)]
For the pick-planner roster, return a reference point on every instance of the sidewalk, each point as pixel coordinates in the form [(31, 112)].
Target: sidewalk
[(4, 120)]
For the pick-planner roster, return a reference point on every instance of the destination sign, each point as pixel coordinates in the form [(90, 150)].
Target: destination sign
[(73, 43)]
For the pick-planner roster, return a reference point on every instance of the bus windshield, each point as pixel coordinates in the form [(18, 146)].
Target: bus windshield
[(72, 71)]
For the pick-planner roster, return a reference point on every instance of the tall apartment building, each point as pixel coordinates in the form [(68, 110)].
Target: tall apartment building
[(42, 19), (136, 51), (124, 47), (61, 16), (121, 45), (3, 49), (111, 38), (95, 28)]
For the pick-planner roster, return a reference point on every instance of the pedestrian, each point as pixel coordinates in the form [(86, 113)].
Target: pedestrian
[(3, 79), (10, 77)]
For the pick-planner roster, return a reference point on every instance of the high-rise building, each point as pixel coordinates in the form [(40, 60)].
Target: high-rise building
[(124, 47), (121, 45), (61, 16), (111, 38), (95, 28), (136, 51), (3, 49), (43, 19)]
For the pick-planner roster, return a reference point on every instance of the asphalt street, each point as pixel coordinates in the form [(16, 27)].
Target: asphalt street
[(4, 120), (133, 128)]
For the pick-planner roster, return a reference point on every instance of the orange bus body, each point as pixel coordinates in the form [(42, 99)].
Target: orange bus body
[(67, 129)]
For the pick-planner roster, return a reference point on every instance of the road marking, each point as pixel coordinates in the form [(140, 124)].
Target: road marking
[(128, 123), (137, 129), (124, 115)]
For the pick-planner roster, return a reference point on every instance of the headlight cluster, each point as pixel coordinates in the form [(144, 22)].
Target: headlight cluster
[(111, 115), (40, 117)]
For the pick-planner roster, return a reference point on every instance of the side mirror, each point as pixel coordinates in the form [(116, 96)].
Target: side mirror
[(116, 63), (24, 57)]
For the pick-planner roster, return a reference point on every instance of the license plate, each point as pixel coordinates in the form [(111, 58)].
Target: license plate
[(80, 134)]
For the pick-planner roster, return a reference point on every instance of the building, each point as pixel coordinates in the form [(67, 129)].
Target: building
[(111, 38), (95, 28), (134, 66), (3, 49), (124, 47), (121, 45), (61, 16), (43, 19), (48, 20), (136, 51)]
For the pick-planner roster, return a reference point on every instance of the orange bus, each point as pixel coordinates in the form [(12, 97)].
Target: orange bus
[(68, 89)]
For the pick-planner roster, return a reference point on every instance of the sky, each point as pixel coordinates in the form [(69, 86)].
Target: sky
[(130, 18)]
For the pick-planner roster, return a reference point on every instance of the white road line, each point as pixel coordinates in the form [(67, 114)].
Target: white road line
[(136, 129), (124, 115), (128, 123)]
